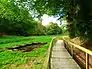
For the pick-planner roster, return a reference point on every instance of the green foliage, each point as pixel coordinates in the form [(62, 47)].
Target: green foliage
[(17, 58), (78, 14), (13, 41), (14, 59), (64, 29), (14, 19), (53, 29)]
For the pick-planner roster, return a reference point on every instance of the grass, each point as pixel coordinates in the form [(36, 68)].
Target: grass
[(19, 59), (12, 57), (16, 40)]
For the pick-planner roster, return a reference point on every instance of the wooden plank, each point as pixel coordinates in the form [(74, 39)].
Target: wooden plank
[(61, 59), (87, 61)]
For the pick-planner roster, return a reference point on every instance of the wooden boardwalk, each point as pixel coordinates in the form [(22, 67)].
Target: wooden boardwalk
[(61, 59)]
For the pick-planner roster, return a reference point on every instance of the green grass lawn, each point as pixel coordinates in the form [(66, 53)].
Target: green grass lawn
[(10, 41), (19, 59)]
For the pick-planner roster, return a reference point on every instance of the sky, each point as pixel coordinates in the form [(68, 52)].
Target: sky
[(46, 19)]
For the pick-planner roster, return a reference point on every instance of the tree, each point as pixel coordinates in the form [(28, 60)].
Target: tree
[(14, 19), (78, 17), (78, 14), (64, 28), (53, 29)]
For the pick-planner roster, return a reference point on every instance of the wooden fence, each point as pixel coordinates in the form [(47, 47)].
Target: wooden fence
[(73, 47)]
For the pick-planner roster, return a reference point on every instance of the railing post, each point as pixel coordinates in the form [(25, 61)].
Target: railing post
[(87, 61), (72, 50), (66, 45)]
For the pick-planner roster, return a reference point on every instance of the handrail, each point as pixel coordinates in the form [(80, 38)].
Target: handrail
[(81, 48), (87, 51), (49, 52), (47, 65)]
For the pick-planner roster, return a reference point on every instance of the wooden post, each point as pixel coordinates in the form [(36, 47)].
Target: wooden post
[(87, 61), (66, 44), (72, 50)]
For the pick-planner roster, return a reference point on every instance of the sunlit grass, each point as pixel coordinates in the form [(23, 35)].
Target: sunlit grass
[(19, 59), (15, 41)]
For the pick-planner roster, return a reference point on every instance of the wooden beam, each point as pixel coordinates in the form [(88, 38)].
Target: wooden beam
[(87, 61), (80, 47)]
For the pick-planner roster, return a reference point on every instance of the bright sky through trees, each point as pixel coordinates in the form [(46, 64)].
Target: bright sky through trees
[(46, 19)]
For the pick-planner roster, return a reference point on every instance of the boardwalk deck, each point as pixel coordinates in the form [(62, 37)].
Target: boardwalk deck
[(61, 59)]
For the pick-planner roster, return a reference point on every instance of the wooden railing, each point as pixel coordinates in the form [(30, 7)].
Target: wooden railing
[(73, 46), (46, 64)]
